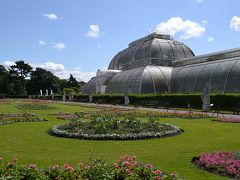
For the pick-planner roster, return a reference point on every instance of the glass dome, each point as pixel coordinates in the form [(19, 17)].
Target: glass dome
[(154, 49)]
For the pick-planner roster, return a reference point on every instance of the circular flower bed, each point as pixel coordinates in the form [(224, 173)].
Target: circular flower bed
[(106, 127), (222, 163), (127, 167)]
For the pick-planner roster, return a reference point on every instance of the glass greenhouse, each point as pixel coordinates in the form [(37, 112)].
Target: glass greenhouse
[(156, 63)]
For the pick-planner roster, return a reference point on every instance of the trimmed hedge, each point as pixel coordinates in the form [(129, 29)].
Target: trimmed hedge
[(226, 101)]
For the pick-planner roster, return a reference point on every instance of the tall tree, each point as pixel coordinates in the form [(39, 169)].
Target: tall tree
[(19, 71), (42, 79), (72, 82)]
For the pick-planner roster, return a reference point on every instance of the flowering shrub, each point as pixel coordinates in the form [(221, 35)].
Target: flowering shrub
[(223, 163), (8, 118), (111, 127), (127, 167), (229, 119)]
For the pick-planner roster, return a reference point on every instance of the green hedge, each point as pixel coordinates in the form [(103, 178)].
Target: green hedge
[(226, 101)]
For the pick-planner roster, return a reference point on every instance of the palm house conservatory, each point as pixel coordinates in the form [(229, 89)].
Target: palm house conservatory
[(158, 64)]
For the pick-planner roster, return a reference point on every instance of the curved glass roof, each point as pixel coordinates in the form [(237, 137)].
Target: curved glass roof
[(90, 87), (149, 79), (223, 76), (154, 49)]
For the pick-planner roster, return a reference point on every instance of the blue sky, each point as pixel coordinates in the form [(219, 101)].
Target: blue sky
[(80, 36)]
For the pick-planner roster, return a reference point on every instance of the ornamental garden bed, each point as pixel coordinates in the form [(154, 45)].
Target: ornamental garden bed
[(109, 127), (228, 119), (221, 163), (127, 167), (35, 105), (9, 118)]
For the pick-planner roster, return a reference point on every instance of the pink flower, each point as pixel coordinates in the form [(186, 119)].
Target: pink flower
[(115, 165), (173, 175), (157, 172), (128, 171), (68, 167), (158, 178), (126, 163), (149, 166)]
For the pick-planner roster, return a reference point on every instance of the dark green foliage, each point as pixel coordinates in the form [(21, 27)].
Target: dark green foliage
[(42, 79), (19, 71), (226, 101)]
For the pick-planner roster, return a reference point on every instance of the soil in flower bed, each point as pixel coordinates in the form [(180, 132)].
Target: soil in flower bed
[(127, 167), (110, 127), (7, 118), (221, 163)]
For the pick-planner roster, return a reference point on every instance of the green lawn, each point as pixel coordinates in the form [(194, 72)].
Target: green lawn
[(31, 143)]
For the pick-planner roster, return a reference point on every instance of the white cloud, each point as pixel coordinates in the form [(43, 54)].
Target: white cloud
[(59, 46), (51, 16), (59, 70), (94, 31), (7, 64), (50, 66), (204, 21), (235, 23), (176, 25), (210, 39), (41, 42)]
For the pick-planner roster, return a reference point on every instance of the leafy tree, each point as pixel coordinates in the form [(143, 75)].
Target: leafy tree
[(72, 82), (3, 79), (42, 79), (19, 71)]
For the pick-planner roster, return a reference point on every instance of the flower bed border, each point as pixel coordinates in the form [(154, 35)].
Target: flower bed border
[(16, 121), (133, 136)]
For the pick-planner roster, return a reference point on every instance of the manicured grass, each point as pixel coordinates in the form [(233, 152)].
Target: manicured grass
[(31, 143)]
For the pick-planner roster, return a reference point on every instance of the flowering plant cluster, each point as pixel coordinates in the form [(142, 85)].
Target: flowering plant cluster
[(228, 119), (223, 163), (127, 167), (4, 101), (8, 118), (110, 127), (126, 112), (34, 105), (175, 114), (67, 116)]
